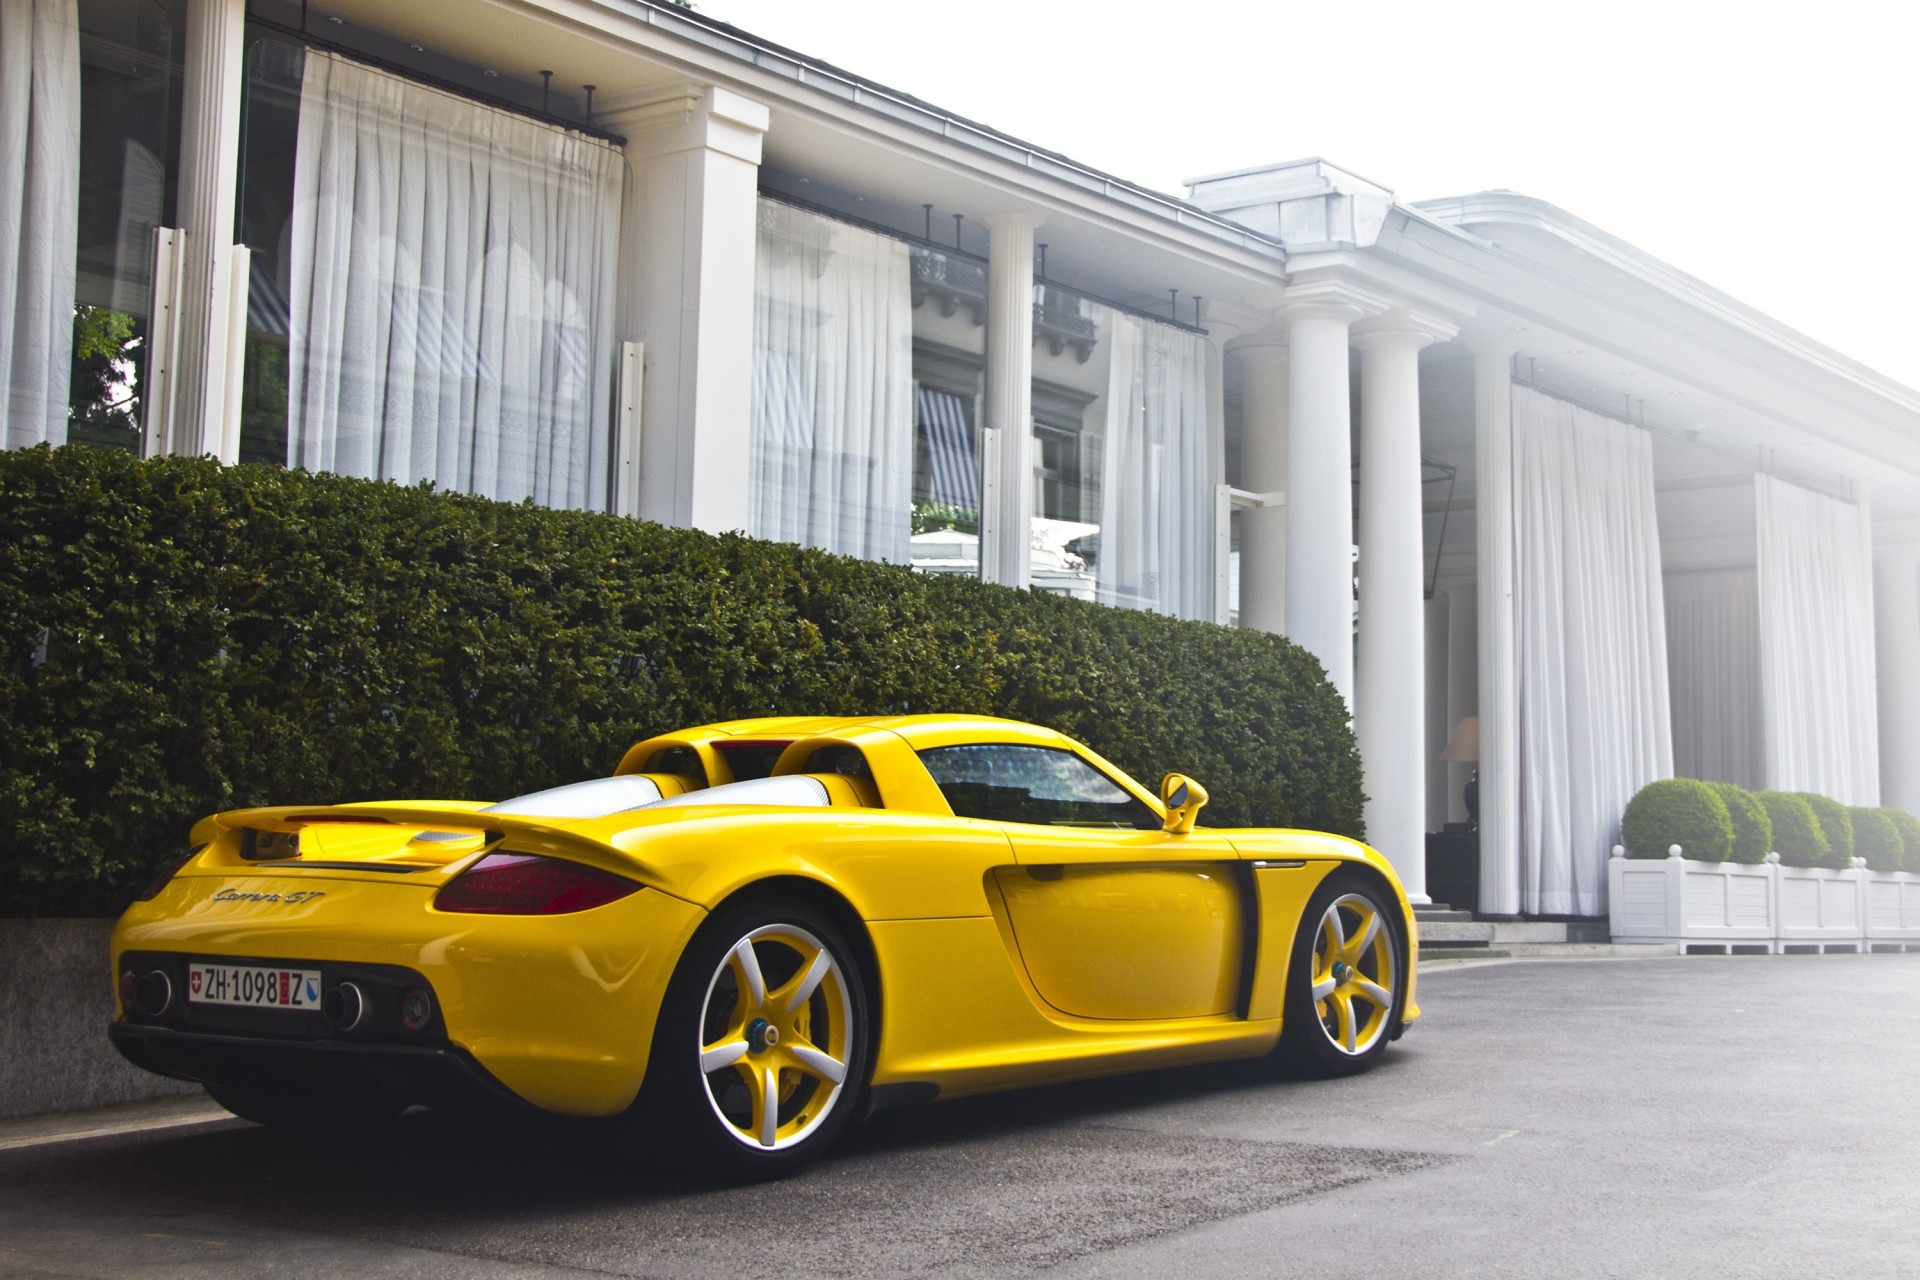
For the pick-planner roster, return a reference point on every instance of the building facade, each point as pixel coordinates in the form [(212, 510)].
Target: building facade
[(1502, 473)]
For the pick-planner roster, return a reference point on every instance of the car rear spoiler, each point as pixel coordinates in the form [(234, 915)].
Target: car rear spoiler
[(516, 834)]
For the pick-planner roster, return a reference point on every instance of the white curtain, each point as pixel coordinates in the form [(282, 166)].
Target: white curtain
[(39, 213), (1816, 644), (1592, 653), (453, 275), (832, 426), (1713, 658), (1156, 473)]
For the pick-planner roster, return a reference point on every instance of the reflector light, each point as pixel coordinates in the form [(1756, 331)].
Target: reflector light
[(522, 884), (416, 1008)]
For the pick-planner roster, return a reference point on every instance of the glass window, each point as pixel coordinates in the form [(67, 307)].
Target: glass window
[(1042, 785), (831, 431), (1123, 457), (949, 296), (93, 99), (433, 284)]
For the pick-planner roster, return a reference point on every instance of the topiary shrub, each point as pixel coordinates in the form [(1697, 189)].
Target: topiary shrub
[(178, 637), (1752, 828), (1797, 836), (1909, 828), (1836, 824), (1876, 839), (1682, 811)]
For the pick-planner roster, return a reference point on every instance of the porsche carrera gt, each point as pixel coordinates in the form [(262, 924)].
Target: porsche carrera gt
[(752, 934)]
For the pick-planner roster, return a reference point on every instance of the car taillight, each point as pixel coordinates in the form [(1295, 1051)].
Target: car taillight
[(521, 884), (165, 878)]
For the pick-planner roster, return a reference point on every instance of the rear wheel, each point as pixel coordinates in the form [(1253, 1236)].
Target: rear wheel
[(1346, 982), (762, 1048)]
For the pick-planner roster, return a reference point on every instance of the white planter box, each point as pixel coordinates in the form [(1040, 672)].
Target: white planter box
[(1892, 909), (1677, 900), (1823, 907)]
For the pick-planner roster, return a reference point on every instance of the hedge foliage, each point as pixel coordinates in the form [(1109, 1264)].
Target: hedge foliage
[(1909, 828), (1682, 811), (1876, 839), (1797, 836), (178, 637), (1752, 829), (1836, 824)]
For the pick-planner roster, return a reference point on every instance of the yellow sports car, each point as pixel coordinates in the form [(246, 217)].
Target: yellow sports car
[(754, 933)]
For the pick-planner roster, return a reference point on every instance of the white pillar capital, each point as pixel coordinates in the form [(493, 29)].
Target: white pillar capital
[(1326, 297), (1403, 327), (1006, 224), (688, 117)]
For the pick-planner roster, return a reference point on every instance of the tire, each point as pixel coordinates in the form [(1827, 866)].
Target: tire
[(1346, 980), (308, 1110), (763, 1046)]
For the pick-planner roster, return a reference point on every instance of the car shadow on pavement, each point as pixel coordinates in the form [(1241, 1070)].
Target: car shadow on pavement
[(486, 1163)]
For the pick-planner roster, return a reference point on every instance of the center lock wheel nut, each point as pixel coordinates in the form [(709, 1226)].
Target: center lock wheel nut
[(761, 1035)]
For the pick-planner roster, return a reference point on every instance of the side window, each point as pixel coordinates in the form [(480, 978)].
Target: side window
[(681, 762), (1042, 785)]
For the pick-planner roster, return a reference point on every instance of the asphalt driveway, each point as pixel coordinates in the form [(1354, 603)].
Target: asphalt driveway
[(1679, 1117)]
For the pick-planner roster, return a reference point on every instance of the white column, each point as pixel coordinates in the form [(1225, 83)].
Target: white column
[(1499, 678), (192, 415), (693, 154), (1389, 716), (1263, 469), (1319, 486), (1463, 685), (1007, 535), (1896, 610)]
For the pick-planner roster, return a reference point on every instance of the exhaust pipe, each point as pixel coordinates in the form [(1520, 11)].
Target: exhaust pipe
[(343, 1006), (149, 994)]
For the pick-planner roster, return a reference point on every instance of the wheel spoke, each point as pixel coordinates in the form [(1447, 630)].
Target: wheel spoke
[(1376, 993), (1367, 936), (1323, 988), (810, 980), (1343, 1015), (769, 1106), (1337, 927), (824, 1065), (751, 979), (724, 1054)]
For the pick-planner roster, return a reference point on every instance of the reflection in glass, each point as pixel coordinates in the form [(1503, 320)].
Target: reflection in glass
[(832, 458), (1123, 458), (949, 299), (88, 115), (433, 284)]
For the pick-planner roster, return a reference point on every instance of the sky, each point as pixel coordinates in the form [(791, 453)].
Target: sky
[(1772, 150)]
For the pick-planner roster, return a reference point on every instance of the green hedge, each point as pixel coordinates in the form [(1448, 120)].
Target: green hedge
[(1680, 811), (1909, 828), (1797, 836), (1876, 839), (178, 637), (1752, 829), (1836, 824)]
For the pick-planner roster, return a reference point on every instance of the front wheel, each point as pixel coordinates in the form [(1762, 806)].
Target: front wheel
[(761, 1052), (1346, 982)]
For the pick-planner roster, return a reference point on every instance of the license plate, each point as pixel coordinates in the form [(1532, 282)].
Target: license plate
[(253, 986)]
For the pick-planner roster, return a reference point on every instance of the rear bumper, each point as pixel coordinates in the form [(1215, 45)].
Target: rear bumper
[(430, 1075)]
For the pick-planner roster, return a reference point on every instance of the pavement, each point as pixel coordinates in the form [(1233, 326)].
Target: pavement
[(1698, 1116)]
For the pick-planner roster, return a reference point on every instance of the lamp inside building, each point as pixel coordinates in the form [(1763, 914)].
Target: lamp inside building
[(1464, 748)]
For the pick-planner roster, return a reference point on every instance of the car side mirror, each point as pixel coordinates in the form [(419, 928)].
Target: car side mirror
[(1183, 798)]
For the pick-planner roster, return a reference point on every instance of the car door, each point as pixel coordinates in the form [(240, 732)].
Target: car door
[(1111, 916)]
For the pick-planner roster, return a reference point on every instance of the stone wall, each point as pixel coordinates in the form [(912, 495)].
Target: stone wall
[(55, 1003)]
